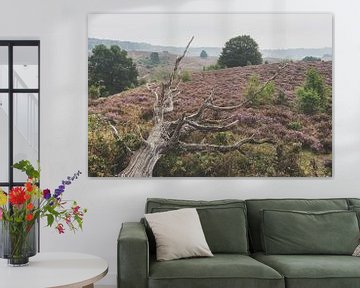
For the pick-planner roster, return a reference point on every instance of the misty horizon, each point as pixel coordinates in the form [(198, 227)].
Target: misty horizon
[(206, 46), (286, 53), (270, 31)]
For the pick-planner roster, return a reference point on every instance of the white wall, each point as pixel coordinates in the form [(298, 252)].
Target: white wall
[(62, 28)]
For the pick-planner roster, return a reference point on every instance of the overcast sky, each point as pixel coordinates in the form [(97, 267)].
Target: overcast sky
[(271, 31)]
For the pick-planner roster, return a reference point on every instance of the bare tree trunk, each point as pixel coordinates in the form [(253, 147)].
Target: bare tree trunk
[(143, 161)]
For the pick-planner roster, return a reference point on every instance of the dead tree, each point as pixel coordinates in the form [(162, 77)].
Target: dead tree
[(166, 135)]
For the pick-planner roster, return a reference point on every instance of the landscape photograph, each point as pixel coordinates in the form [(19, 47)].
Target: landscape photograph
[(210, 95)]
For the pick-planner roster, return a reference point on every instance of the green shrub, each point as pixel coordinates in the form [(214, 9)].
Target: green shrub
[(309, 101), (107, 154), (314, 95), (258, 160), (185, 76), (282, 160), (295, 126), (96, 91), (316, 82), (222, 138), (256, 98), (212, 67)]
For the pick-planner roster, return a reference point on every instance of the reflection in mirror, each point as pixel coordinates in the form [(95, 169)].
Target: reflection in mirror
[(26, 130), (4, 67), (4, 137), (26, 74)]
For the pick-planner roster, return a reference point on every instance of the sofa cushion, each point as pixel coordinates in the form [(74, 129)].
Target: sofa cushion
[(313, 271), (222, 270), (297, 232), (356, 209), (223, 221), (353, 201), (254, 216), (178, 234)]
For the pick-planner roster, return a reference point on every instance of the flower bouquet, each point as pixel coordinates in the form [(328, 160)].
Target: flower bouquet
[(21, 208)]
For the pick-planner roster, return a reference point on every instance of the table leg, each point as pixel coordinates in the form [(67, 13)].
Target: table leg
[(89, 286)]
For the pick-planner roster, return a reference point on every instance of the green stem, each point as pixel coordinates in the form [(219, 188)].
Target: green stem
[(18, 238)]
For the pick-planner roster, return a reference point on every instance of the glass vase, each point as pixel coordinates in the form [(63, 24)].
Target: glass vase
[(18, 242)]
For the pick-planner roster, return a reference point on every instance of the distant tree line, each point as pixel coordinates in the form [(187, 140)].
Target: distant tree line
[(311, 58)]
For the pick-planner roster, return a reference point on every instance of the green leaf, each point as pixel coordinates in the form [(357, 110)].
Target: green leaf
[(50, 219), (52, 211), (26, 167)]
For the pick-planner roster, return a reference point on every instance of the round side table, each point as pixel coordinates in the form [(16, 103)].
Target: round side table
[(50, 270)]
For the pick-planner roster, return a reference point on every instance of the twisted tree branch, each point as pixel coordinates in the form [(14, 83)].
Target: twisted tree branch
[(168, 90), (116, 134), (211, 128), (192, 147)]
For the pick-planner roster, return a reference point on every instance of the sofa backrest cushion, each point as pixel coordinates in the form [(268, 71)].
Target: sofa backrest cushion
[(256, 205), (354, 205), (298, 232), (353, 202), (223, 221)]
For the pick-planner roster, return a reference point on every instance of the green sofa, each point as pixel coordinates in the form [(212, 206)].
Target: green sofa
[(233, 230)]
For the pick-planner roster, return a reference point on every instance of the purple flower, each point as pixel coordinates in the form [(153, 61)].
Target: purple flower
[(58, 192), (46, 194), (64, 183)]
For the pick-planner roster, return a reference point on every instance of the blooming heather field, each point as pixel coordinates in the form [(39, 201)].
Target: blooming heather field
[(302, 144)]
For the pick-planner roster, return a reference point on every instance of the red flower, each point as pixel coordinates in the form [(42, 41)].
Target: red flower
[(29, 206), (60, 228), (27, 196), (29, 217), (75, 209), (29, 186), (68, 219), (17, 196)]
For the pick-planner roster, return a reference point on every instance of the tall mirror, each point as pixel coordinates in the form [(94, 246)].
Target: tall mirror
[(19, 108)]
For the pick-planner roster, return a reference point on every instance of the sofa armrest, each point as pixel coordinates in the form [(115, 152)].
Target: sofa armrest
[(133, 256)]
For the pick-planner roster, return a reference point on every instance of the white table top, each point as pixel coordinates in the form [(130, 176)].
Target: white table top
[(45, 270)]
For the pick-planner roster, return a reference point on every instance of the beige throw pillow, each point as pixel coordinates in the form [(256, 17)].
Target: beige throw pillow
[(178, 234), (357, 251)]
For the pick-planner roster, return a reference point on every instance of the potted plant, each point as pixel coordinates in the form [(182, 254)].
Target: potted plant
[(21, 208)]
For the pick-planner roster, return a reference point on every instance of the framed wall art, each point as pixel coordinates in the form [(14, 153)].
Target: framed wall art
[(210, 95)]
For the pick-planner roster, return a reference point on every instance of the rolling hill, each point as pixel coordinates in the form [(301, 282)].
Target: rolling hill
[(132, 109)]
